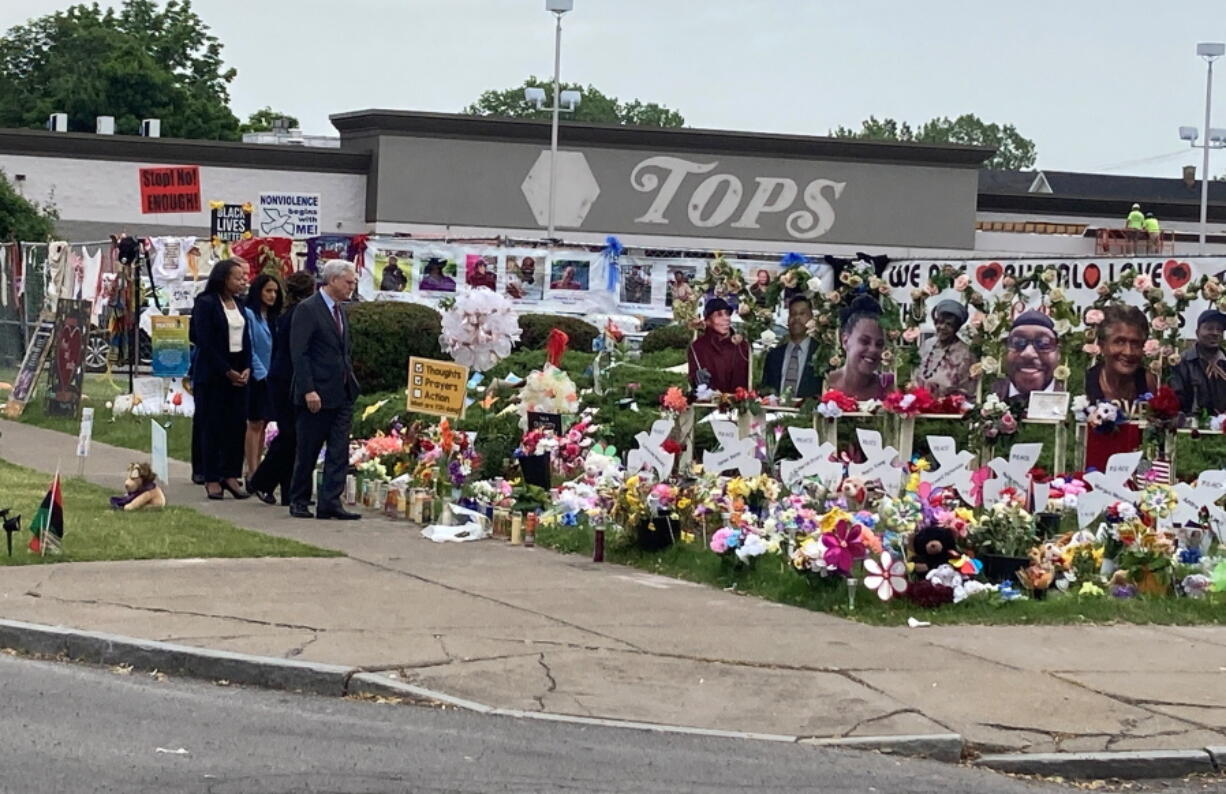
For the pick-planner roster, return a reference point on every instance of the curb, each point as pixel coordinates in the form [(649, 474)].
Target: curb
[(1124, 764), (338, 681)]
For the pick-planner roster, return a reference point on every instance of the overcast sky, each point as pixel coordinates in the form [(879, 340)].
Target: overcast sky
[(1099, 86)]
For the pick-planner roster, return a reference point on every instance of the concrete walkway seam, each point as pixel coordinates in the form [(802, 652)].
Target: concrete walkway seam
[(1129, 765)]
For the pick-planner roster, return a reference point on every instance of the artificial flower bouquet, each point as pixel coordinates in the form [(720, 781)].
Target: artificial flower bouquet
[(993, 419), (909, 402), (1006, 529), (1101, 416), (548, 390)]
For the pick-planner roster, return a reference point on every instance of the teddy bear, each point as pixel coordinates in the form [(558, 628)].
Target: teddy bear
[(932, 547), (142, 489)]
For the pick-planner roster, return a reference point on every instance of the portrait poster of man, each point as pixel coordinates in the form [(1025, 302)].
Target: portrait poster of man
[(393, 271), (635, 282), (525, 275), (481, 270), (568, 274), (680, 279), (1032, 354)]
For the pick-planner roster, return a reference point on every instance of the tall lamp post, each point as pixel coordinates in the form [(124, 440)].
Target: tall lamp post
[(1214, 138), (568, 98)]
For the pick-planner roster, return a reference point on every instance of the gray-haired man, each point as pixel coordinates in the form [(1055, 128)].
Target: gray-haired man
[(323, 391)]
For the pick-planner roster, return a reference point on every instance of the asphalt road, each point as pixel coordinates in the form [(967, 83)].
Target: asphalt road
[(74, 728)]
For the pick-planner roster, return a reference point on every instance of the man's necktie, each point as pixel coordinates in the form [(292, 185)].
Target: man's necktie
[(791, 378)]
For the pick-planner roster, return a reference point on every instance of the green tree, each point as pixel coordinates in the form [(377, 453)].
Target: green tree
[(1013, 151), (143, 61), (21, 219), (262, 119), (595, 106)]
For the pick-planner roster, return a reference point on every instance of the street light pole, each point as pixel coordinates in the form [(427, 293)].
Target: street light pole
[(1209, 51), (557, 102)]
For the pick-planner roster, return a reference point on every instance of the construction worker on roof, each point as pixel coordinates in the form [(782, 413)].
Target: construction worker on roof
[(1136, 219), (1152, 226)]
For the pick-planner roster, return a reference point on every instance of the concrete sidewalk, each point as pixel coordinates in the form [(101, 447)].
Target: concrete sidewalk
[(529, 629)]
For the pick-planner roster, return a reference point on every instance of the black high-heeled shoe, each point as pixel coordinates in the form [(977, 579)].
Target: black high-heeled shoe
[(236, 493), (215, 496)]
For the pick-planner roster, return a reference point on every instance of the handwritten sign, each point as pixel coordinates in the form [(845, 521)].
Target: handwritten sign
[(230, 222), (1107, 487), (31, 368), (294, 215), (437, 387), (879, 463), (159, 458), (170, 189), (86, 433)]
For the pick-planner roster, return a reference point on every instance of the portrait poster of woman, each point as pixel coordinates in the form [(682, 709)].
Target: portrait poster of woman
[(1119, 377), (525, 275), (481, 270), (862, 346), (439, 271)]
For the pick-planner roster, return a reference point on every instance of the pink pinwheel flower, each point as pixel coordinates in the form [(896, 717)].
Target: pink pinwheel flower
[(719, 541), (888, 577), (843, 547)]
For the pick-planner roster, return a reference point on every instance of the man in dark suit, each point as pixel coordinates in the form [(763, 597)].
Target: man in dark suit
[(788, 369), (324, 389)]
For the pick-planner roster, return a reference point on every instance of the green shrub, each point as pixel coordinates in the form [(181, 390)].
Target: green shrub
[(667, 337), (536, 328), (662, 359), (385, 334)]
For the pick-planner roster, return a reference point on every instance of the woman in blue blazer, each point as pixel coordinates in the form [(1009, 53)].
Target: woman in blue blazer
[(221, 373)]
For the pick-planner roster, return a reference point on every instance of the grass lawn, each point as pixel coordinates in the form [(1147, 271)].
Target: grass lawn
[(770, 578), (126, 431), (93, 531)]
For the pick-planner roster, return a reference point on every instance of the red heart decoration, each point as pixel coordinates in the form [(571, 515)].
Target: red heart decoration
[(988, 275), (1177, 274), (1091, 275)]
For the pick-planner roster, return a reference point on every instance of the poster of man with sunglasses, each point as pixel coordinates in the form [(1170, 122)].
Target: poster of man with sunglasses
[(1032, 353)]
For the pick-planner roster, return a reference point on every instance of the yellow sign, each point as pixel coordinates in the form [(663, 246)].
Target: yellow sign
[(437, 387)]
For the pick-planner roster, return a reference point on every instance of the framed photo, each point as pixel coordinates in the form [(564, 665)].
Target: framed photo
[(1048, 405)]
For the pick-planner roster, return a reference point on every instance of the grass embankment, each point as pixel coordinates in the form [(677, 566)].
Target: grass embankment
[(770, 578), (94, 531)]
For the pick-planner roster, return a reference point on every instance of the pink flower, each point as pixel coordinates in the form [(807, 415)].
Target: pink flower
[(843, 547), (1142, 282), (911, 334), (1159, 323), (719, 541), (1008, 423), (1094, 317), (1151, 347), (961, 282), (931, 288), (977, 319), (1091, 349)]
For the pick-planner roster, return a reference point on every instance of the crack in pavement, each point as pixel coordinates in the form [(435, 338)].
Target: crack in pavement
[(1140, 703), (165, 611), (553, 683), (885, 716), (298, 650), (493, 600)]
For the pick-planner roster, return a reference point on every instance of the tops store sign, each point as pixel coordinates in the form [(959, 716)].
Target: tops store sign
[(170, 189), (294, 215), (629, 191)]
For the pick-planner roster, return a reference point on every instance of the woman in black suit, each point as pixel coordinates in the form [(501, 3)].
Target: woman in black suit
[(222, 370), (277, 468)]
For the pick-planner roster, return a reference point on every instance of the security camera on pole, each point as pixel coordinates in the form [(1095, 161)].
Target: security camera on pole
[(569, 99)]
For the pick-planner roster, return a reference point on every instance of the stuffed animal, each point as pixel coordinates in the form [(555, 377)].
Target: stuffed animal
[(142, 490), (932, 547)]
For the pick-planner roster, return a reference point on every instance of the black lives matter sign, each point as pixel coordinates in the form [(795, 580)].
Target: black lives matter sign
[(170, 189), (229, 222)]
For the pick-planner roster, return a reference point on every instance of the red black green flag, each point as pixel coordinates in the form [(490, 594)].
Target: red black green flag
[(48, 523)]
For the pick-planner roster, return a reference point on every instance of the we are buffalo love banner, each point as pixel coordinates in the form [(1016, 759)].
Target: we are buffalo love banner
[(1080, 279)]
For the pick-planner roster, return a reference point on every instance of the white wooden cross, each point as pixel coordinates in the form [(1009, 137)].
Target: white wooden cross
[(1209, 487), (1012, 473)]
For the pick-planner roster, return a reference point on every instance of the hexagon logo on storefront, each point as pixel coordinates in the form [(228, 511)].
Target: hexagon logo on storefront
[(576, 189)]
